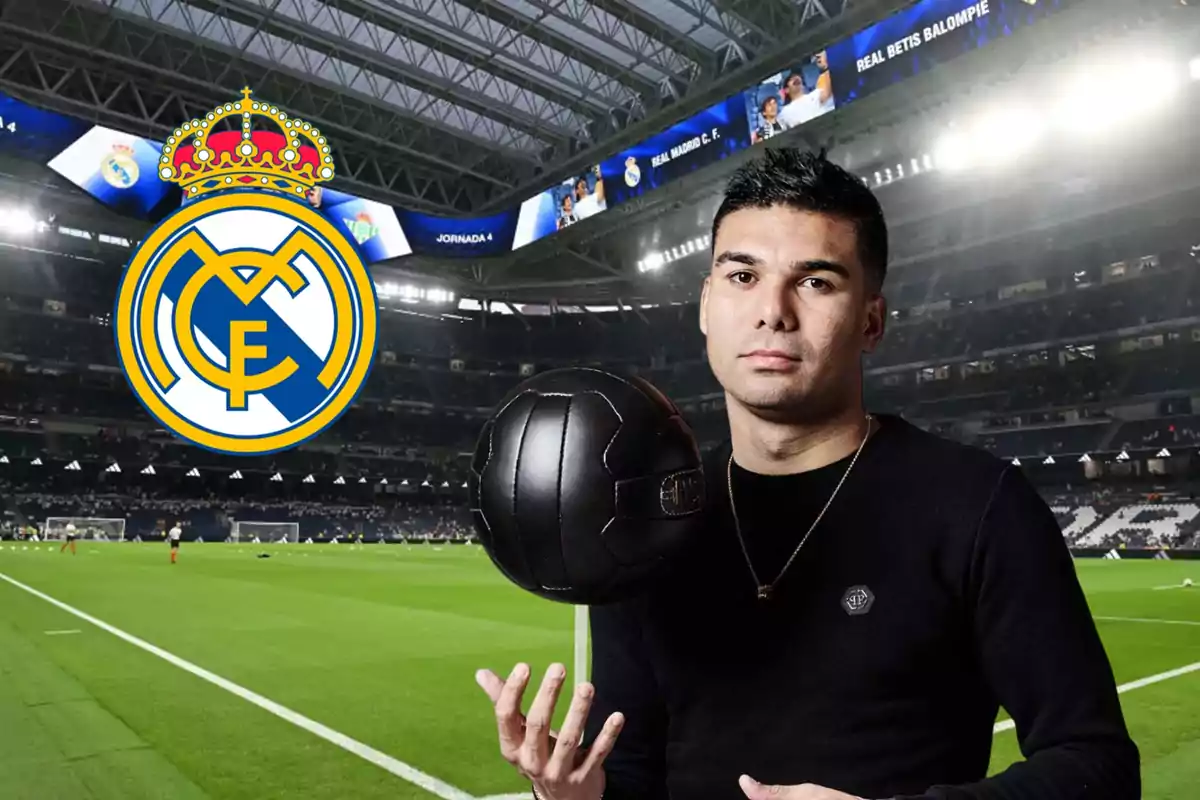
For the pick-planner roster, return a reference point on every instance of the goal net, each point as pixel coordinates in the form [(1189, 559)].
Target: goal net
[(248, 531), (101, 529)]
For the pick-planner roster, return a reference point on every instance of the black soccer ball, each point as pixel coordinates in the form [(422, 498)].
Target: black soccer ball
[(585, 484)]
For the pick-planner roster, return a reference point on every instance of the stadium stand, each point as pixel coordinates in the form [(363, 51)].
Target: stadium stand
[(1084, 358)]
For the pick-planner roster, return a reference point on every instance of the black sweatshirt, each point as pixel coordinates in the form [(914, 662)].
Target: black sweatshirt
[(971, 603)]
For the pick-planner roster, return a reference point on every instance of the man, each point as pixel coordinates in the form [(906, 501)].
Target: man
[(800, 105), (175, 535), (566, 217), (69, 538), (771, 126), (824, 81), (866, 596), (588, 204)]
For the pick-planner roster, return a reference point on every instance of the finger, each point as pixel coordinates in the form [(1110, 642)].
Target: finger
[(562, 760), (508, 713), (759, 791), (603, 745), (491, 683), (536, 750)]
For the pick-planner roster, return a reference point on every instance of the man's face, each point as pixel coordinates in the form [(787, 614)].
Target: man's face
[(770, 108), (787, 312), (568, 206), (581, 189), (794, 87)]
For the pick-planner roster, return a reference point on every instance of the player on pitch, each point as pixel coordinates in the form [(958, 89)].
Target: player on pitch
[(867, 595), (69, 538), (174, 536)]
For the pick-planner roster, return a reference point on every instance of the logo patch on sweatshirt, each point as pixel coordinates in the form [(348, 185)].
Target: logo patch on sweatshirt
[(858, 600)]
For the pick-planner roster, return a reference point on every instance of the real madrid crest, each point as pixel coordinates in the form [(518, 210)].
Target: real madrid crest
[(633, 174), (246, 322)]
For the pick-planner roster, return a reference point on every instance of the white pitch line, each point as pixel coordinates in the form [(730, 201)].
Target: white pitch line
[(1008, 724), (63, 633), (382, 760), (1146, 619)]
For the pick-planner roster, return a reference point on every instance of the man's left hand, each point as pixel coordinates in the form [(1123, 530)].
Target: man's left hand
[(808, 791)]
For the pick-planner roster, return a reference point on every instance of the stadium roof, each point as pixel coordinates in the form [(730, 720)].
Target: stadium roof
[(445, 106)]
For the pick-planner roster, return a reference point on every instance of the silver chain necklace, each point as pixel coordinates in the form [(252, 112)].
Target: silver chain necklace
[(765, 589)]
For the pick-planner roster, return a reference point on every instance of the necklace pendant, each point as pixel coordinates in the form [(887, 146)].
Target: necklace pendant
[(764, 593)]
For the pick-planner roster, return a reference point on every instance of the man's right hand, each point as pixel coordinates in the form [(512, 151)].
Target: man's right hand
[(554, 762)]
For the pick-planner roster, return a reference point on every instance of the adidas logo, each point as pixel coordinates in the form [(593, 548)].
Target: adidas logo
[(149, 470)]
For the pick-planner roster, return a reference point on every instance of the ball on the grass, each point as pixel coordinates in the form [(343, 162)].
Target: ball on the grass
[(585, 484), (1187, 581)]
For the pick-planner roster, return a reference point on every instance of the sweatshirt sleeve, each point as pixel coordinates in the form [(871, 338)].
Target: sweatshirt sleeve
[(625, 682), (1042, 656)]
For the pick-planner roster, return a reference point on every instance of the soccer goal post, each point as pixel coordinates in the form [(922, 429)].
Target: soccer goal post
[(100, 529), (264, 532), (582, 654)]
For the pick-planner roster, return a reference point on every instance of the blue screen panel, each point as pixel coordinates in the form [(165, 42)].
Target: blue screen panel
[(575, 199), (372, 225), (116, 168), (463, 238), (790, 98), (704, 139), (919, 37)]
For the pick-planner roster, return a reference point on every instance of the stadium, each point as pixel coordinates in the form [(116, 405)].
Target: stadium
[(531, 185)]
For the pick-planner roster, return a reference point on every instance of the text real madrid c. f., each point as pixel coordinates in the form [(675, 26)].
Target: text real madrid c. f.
[(683, 148)]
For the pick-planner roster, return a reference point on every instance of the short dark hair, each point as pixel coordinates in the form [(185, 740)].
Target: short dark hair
[(808, 181)]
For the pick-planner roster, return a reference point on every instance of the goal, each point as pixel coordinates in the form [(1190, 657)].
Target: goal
[(101, 529), (248, 531)]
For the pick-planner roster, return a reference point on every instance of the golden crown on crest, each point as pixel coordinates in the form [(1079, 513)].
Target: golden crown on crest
[(202, 159)]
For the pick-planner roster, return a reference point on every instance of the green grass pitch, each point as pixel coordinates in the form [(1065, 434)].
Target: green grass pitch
[(379, 643)]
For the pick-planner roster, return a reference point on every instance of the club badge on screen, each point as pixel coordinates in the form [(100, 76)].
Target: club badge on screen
[(119, 167), (246, 321)]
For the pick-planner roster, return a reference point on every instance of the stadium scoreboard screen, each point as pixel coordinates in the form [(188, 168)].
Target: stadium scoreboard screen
[(922, 36), (119, 169)]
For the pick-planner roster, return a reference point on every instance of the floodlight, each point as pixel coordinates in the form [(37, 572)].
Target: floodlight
[(1004, 135), (17, 221), (952, 152)]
